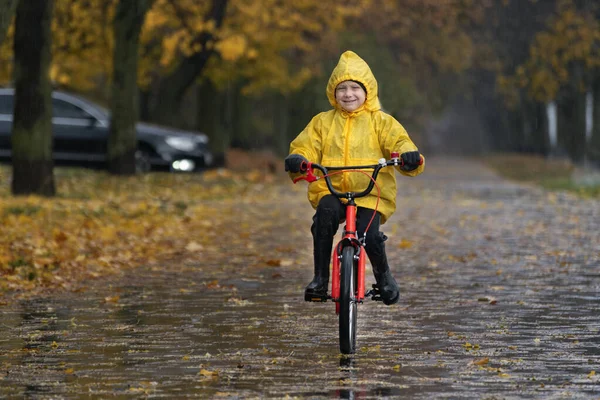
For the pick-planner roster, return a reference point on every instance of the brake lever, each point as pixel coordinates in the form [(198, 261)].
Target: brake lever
[(309, 177)]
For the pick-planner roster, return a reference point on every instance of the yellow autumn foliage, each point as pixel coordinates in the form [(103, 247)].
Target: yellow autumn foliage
[(265, 29), (269, 44), (425, 33), (572, 38), (81, 44), (232, 48)]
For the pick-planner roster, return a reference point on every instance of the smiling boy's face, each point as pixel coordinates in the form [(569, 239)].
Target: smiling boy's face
[(350, 95)]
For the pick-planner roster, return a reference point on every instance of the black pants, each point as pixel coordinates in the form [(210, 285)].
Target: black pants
[(330, 212)]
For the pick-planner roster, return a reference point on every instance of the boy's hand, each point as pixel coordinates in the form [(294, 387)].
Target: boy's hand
[(411, 160), (293, 163)]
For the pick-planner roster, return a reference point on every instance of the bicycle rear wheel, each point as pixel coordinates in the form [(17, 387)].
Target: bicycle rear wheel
[(347, 301)]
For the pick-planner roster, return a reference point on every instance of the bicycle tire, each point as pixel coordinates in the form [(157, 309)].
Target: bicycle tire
[(347, 301)]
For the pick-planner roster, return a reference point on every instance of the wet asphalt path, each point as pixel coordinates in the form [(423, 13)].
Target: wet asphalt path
[(500, 290)]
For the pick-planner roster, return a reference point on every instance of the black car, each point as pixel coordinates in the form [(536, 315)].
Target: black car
[(80, 132)]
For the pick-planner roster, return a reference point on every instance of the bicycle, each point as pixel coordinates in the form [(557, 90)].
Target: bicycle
[(349, 255)]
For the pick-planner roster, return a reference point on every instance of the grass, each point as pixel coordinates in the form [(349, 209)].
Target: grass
[(551, 174)]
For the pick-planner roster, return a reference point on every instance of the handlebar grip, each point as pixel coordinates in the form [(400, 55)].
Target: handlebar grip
[(421, 161), (396, 156)]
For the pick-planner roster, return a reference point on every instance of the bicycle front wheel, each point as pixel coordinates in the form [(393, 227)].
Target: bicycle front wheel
[(347, 301)]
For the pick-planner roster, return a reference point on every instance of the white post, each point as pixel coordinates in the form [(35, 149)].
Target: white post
[(552, 128), (589, 115)]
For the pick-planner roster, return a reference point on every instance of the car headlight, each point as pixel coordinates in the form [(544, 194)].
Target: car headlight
[(181, 143), (202, 138)]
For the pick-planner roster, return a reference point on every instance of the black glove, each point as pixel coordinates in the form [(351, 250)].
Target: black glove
[(411, 160), (293, 163)]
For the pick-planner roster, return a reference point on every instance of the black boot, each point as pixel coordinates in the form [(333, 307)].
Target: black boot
[(317, 289), (388, 288), (325, 225)]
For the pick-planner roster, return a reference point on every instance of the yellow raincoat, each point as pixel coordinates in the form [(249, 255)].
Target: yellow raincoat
[(337, 138)]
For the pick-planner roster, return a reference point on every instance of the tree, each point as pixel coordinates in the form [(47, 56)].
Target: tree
[(264, 44), (7, 10), (562, 61), (122, 143), (32, 123), (514, 120), (196, 31), (82, 45), (594, 145)]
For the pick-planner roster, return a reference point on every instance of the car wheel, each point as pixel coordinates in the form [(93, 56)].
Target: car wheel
[(142, 162)]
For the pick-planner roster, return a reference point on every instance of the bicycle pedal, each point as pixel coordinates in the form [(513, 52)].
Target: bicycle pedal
[(315, 298), (374, 293)]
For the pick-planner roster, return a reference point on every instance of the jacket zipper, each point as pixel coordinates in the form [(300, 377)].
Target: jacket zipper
[(346, 146)]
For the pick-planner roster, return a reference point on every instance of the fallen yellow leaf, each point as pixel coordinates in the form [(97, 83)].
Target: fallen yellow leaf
[(112, 299), (207, 373), (405, 244), (193, 247)]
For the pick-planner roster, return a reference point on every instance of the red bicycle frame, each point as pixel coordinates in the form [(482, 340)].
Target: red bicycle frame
[(349, 236)]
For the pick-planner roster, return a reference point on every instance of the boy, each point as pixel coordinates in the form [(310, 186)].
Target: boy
[(355, 132)]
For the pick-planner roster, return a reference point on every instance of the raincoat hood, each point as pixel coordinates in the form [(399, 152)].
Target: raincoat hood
[(351, 67)]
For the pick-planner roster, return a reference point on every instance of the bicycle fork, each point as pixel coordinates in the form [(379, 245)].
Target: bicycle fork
[(349, 239)]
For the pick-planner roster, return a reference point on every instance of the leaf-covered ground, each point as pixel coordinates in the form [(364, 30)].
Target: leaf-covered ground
[(499, 286), (100, 224)]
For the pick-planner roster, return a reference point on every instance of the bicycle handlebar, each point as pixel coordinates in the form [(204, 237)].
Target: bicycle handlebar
[(383, 163)]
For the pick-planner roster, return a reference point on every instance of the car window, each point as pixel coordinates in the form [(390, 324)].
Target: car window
[(6, 104), (62, 109)]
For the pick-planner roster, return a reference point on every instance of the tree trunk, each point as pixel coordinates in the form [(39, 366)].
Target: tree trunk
[(172, 88), (594, 145), (535, 128), (571, 125), (122, 142), (508, 132), (7, 10), (516, 137), (32, 125), (282, 124), (209, 109), (241, 122)]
